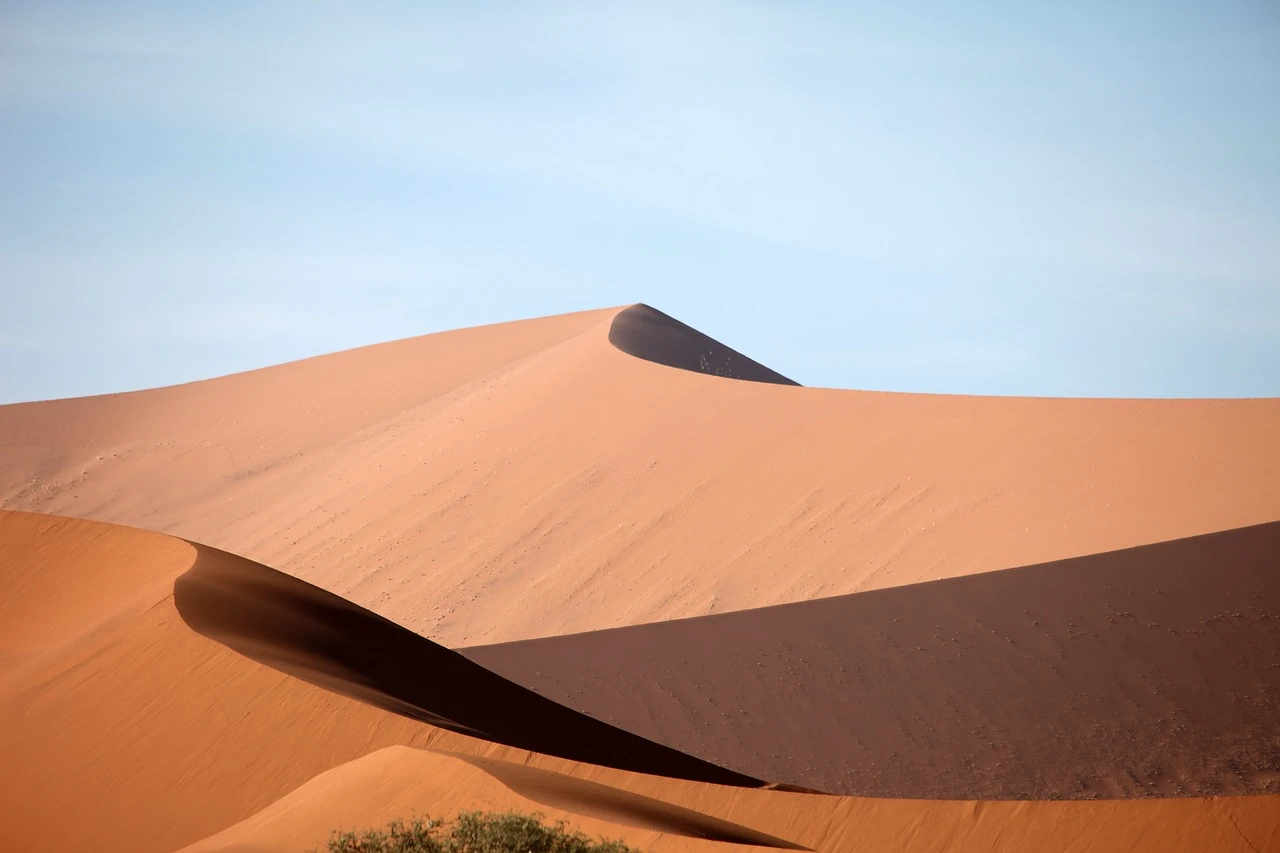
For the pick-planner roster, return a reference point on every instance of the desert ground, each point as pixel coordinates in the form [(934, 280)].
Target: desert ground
[(603, 567)]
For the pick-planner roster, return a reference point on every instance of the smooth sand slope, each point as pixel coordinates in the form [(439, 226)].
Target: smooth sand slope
[(141, 734), (398, 781), (532, 479), (1153, 671)]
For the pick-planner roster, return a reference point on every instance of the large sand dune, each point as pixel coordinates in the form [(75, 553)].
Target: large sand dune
[(142, 734), (533, 479), (306, 632)]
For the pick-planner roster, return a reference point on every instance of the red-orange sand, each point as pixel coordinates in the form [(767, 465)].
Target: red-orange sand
[(530, 479), (139, 734), (614, 468)]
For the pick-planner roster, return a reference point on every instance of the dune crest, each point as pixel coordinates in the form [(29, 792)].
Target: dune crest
[(314, 635), (647, 333)]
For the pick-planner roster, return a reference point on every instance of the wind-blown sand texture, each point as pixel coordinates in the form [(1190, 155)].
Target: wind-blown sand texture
[(977, 605)]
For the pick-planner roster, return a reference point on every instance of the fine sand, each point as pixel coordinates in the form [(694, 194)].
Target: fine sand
[(1149, 672), (559, 475), (140, 733), (710, 599), (398, 782)]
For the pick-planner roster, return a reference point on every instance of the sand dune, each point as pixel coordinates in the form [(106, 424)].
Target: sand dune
[(397, 782), (532, 479), (314, 635), (149, 736), (1153, 671), (146, 735), (924, 596)]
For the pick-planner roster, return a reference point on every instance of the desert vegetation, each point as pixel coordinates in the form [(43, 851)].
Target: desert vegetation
[(473, 832)]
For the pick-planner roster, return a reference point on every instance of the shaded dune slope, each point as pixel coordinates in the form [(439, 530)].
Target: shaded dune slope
[(1148, 672), (307, 632), (530, 479), (647, 333)]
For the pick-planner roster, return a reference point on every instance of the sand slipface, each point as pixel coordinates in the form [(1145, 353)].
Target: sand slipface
[(648, 334), (320, 638), (531, 479)]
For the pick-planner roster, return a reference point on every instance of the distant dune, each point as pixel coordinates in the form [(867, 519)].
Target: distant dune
[(141, 734), (531, 479)]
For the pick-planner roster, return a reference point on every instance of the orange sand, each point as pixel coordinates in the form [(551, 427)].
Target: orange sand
[(531, 479), (584, 473), (147, 736)]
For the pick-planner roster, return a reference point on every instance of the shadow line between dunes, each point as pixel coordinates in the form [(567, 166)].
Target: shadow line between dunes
[(304, 631)]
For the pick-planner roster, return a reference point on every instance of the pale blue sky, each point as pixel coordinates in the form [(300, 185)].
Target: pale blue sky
[(982, 197)]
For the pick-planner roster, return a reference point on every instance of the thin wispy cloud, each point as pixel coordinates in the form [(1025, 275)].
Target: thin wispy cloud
[(606, 153)]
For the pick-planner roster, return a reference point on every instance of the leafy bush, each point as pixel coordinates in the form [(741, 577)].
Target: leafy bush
[(473, 832)]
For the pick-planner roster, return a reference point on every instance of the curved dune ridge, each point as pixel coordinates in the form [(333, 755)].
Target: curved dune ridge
[(532, 479), (647, 333), (147, 735), (314, 635), (398, 783), (143, 735), (1153, 671)]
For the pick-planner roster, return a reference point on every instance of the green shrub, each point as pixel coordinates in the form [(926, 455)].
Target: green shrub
[(473, 832)]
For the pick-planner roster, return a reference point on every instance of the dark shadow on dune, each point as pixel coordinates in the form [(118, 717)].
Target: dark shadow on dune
[(1152, 671), (319, 637), (582, 796), (649, 334)]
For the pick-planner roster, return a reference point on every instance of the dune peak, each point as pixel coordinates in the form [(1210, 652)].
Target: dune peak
[(645, 332)]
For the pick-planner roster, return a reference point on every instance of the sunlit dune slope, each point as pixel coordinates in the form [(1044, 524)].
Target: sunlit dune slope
[(144, 735), (399, 782), (1153, 671), (531, 479), (160, 735)]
